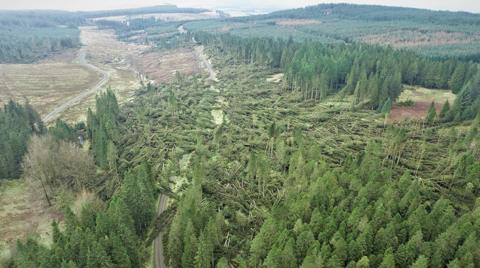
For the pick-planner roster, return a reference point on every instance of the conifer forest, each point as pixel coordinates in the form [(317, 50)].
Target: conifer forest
[(335, 135)]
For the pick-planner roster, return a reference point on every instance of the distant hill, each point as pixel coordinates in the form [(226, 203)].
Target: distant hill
[(379, 13), (439, 34), (142, 10)]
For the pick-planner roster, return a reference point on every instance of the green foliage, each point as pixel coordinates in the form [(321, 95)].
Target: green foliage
[(445, 112), (387, 106), (26, 36), (99, 237), (431, 114), (363, 211), (373, 75), (139, 197), (103, 129), (407, 103), (467, 104), (17, 124), (63, 131), (422, 31)]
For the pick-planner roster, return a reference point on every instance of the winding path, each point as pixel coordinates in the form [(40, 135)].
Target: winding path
[(199, 51), (58, 110)]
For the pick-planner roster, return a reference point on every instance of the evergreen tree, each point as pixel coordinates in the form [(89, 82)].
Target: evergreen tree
[(388, 259), (190, 246), (431, 114), (364, 262), (204, 256), (387, 106), (421, 262), (288, 256), (445, 112)]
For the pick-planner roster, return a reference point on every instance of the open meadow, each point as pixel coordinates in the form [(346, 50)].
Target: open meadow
[(44, 85), (22, 214), (420, 100)]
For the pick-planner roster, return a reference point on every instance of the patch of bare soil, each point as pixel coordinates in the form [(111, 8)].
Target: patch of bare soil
[(408, 38), (422, 99), (162, 66), (297, 22), (416, 112)]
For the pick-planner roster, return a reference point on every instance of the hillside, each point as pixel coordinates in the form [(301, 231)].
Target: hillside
[(306, 138), (432, 33)]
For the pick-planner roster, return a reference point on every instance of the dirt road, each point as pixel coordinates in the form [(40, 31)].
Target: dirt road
[(204, 61), (58, 110), (159, 261)]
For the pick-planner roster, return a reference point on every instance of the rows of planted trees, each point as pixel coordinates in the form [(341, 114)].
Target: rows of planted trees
[(373, 75)]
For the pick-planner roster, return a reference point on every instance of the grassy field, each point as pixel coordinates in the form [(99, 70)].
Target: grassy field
[(43, 85), (421, 99), (22, 214), (60, 77), (129, 65)]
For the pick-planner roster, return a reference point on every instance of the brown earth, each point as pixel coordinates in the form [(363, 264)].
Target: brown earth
[(416, 112), (406, 38), (162, 66), (296, 22), (422, 99)]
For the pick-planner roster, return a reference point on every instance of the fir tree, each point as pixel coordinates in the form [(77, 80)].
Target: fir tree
[(431, 114)]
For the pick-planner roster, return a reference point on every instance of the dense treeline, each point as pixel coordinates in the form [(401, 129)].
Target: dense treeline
[(358, 216), (373, 75), (100, 236), (438, 34), (107, 231), (26, 36), (17, 124), (103, 129)]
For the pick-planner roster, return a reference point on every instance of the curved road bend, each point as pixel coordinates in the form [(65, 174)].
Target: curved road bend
[(58, 110)]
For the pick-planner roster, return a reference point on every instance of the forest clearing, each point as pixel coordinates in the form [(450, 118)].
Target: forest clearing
[(414, 103), (162, 66), (44, 85), (334, 135)]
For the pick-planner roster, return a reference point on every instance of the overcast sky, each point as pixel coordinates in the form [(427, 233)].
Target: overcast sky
[(463, 5)]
